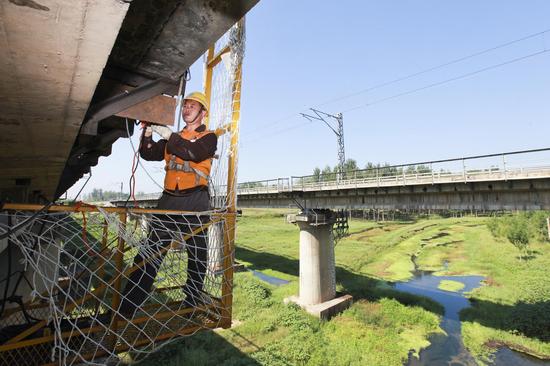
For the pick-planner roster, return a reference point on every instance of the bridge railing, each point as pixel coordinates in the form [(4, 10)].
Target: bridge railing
[(266, 186), (293, 184), (494, 167), (301, 184)]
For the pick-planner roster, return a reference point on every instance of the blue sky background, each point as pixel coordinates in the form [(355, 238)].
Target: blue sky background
[(301, 54)]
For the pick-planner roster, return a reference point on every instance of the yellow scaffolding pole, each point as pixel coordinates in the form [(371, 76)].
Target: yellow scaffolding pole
[(212, 60), (209, 72), (229, 244)]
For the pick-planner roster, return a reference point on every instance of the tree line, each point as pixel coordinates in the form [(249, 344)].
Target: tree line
[(98, 194), (352, 170)]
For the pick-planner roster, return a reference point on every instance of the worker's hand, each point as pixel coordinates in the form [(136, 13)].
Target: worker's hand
[(148, 130), (162, 131)]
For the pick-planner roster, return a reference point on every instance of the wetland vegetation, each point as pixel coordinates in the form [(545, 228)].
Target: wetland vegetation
[(384, 326)]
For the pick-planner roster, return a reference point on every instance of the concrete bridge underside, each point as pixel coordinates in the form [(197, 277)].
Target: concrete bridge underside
[(528, 194), (68, 68)]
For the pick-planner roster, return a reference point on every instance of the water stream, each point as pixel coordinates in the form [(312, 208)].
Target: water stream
[(444, 349), (269, 279), (449, 349)]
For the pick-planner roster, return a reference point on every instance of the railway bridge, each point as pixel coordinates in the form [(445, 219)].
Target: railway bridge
[(518, 180)]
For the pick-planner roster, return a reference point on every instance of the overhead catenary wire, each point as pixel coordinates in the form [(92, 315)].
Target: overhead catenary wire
[(277, 132), (463, 76), (432, 85), (181, 91), (262, 128), (83, 186), (132, 181), (433, 68)]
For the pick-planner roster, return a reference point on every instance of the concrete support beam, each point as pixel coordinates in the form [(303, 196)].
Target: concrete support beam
[(53, 53)]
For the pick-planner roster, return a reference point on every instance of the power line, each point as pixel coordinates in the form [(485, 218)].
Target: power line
[(425, 87), (463, 76), (271, 124), (378, 86), (440, 66), (277, 132), (261, 129)]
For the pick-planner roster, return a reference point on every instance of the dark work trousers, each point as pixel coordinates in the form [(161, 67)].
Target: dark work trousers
[(164, 229)]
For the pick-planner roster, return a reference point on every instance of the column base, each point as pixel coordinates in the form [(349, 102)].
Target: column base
[(324, 310)]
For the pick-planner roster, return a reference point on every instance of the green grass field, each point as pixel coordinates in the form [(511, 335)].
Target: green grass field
[(382, 326)]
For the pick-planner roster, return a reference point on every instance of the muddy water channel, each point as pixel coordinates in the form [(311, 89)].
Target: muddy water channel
[(449, 349), (269, 279)]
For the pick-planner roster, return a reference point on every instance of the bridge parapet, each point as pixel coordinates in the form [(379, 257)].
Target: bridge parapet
[(304, 184), (492, 167), (509, 181)]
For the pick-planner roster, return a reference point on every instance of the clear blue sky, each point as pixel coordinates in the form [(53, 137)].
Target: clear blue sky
[(301, 54)]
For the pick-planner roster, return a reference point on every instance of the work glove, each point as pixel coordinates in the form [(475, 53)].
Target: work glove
[(162, 131)]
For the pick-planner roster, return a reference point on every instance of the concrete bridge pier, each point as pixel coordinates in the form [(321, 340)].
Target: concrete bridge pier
[(317, 264)]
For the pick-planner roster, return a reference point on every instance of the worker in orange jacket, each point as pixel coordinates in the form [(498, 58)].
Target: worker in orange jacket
[(188, 156)]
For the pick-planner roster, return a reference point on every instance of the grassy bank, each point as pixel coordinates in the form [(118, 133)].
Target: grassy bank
[(382, 325), (452, 286), (513, 309)]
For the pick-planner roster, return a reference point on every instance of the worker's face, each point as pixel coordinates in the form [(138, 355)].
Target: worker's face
[(192, 112)]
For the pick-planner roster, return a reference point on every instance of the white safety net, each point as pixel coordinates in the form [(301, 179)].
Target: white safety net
[(89, 285)]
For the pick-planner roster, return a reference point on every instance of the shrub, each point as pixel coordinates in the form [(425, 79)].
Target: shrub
[(295, 318), (537, 221), (518, 233), (497, 225), (256, 293), (520, 229), (534, 222)]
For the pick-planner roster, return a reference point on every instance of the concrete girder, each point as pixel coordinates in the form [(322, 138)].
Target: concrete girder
[(162, 38), (158, 40), (63, 56), (524, 194), (54, 54)]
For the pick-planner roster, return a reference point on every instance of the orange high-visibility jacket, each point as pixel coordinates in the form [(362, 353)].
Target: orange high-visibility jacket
[(184, 174)]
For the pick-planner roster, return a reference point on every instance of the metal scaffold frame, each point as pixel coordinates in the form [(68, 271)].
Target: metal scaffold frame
[(27, 343)]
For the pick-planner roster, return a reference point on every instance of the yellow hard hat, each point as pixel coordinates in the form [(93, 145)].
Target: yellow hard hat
[(199, 98)]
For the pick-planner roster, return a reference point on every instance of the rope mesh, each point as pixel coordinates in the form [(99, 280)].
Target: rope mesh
[(92, 285)]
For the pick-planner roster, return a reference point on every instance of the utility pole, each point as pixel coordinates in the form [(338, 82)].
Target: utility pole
[(121, 194), (338, 131)]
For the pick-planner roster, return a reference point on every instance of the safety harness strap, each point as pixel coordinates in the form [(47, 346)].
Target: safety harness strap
[(185, 167)]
